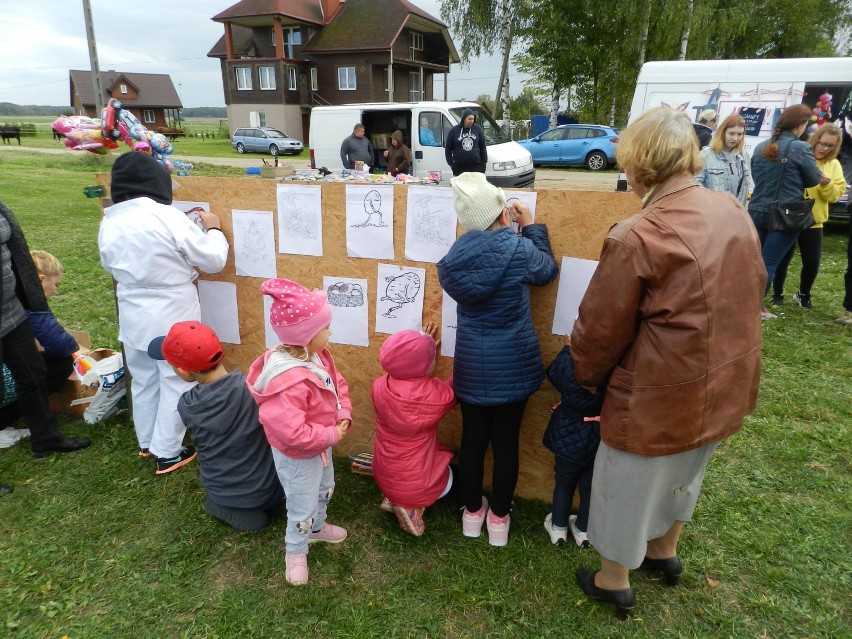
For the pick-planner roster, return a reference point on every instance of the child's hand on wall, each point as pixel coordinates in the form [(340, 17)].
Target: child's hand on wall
[(431, 329)]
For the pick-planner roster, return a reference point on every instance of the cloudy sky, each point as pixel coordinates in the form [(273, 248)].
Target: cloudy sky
[(41, 40)]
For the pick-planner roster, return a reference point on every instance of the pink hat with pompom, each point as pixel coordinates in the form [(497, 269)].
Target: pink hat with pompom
[(408, 354), (297, 314)]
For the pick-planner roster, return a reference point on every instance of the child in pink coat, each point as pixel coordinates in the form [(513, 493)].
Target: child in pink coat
[(304, 407), (410, 467)]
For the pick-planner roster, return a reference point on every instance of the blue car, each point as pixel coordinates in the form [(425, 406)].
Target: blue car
[(258, 139), (589, 145)]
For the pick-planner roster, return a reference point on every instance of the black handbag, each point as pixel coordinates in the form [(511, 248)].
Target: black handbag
[(791, 217)]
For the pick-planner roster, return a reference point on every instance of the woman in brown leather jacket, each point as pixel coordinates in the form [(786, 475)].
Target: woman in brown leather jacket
[(670, 324)]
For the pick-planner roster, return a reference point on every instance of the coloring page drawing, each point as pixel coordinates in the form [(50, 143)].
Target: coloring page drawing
[(574, 277), (347, 298), (448, 325), (430, 226), (254, 243), (191, 210), (527, 197), (399, 292), (369, 221), (299, 219), (219, 309)]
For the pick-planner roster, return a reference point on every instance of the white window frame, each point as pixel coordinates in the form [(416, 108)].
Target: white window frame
[(314, 80), (414, 88), (266, 78), (344, 75), (292, 78), (292, 38), (123, 88), (148, 116), (417, 41), (243, 78)]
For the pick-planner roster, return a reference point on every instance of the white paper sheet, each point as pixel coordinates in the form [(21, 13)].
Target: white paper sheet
[(369, 221), (574, 277), (269, 335), (254, 243), (430, 226), (530, 198), (448, 325), (348, 300), (219, 309), (186, 206), (400, 298), (299, 219)]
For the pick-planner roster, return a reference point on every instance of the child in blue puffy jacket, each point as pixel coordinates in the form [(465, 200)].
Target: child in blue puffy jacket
[(57, 345), (573, 435)]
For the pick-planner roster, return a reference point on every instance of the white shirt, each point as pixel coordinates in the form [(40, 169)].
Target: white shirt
[(150, 249)]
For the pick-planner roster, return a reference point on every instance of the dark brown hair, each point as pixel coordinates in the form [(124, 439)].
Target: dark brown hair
[(791, 118)]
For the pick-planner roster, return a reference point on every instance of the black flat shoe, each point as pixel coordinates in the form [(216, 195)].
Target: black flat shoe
[(623, 600), (671, 568), (5, 489), (62, 445)]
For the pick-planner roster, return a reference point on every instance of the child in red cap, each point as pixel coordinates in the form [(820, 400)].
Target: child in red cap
[(410, 467), (237, 472), (305, 410)]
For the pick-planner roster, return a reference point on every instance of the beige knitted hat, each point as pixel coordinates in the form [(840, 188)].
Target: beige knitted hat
[(478, 203)]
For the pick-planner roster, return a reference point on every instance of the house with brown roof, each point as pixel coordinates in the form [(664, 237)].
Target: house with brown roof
[(151, 97), (280, 58)]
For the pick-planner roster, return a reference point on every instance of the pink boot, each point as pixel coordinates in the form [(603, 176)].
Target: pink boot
[(296, 570)]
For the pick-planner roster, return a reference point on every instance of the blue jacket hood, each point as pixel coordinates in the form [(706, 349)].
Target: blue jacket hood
[(475, 265)]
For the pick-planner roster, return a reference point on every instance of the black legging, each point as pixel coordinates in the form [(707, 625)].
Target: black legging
[(501, 427), (847, 278), (810, 247)]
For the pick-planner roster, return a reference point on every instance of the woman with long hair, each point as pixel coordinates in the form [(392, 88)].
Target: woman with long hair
[(782, 152), (726, 165), (825, 142)]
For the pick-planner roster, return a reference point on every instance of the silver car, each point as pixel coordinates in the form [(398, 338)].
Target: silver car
[(265, 140)]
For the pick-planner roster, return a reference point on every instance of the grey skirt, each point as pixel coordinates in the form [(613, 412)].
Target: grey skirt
[(637, 498)]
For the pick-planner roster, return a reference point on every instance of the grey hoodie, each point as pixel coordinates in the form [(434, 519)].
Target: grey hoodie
[(236, 460)]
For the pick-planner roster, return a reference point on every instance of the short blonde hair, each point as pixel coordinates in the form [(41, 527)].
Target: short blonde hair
[(708, 116), (827, 129), (660, 144), (46, 264)]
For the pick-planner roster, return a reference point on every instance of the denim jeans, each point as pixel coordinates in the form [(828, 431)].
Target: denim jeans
[(774, 244), (308, 487), (569, 477), (28, 368)]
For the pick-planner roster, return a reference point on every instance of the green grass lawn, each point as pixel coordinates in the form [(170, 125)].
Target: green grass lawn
[(94, 545)]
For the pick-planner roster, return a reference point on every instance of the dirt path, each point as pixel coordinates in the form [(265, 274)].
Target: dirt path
[(545, 178)]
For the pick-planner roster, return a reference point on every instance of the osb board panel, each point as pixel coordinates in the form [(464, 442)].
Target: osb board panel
[(577, 222)]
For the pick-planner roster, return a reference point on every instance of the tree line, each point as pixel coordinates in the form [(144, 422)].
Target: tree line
[(589, 52)]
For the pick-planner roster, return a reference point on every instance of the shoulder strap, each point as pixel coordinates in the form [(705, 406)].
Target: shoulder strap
[(783, 166)]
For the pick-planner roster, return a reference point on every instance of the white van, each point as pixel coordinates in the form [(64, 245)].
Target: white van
[(760, 88), (509, 164)]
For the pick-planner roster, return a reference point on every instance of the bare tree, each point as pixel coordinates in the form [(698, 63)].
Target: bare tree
[(684, 35)]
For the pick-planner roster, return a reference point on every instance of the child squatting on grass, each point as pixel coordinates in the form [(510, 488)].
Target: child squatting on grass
[(57, 348), (410, 467), (305, 410), (237, 471), (572, 435)]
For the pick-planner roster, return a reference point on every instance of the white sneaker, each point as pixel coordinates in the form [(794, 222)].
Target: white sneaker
[(10, 436), (472, 522), (579, 536), (558, 536), (767, 316)]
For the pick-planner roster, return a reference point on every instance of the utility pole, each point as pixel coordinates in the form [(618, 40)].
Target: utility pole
[(93, 58)]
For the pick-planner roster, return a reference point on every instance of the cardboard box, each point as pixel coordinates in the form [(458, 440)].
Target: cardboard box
[(61, 402), (282, 170)]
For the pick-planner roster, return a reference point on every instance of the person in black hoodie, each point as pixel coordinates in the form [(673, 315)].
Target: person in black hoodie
[(21, 291), (465, 146), (237, 470)]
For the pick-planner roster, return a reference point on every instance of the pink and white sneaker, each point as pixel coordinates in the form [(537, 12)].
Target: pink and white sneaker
[(296, 571), (410, 520), (472, 522), (498, 529), (386, 506), (329, 533)]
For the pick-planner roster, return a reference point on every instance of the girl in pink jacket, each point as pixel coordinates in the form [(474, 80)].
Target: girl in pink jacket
[(410, 467), (304, 408)]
